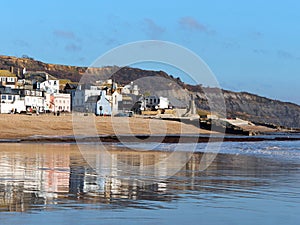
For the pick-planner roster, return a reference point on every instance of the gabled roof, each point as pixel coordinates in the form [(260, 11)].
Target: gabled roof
[(6, 73), (39, 76), (131, 97), (71, 86), (92, 99)]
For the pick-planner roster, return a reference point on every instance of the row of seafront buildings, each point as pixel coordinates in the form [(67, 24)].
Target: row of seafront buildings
[(40, 92), (36, 92), (107, 98)]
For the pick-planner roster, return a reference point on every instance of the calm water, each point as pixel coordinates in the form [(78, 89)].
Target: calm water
[(247, 183)]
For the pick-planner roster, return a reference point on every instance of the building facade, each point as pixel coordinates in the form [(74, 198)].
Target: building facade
[(8, 79)]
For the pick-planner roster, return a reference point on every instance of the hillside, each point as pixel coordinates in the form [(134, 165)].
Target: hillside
[(244, 105), (259, 109)]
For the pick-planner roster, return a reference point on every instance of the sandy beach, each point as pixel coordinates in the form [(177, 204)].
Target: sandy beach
[(22, 126)]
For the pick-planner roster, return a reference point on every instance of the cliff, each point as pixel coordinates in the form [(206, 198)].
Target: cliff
[(243, 105), (258, 109)]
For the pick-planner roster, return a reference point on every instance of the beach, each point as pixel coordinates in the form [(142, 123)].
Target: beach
[(22, 126), (89, 128)]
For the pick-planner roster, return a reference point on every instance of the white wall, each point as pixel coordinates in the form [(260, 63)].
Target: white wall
[(34, 101), (7, 107), (116, 98), (62, 102), (163, 103), (50, 86), (81, 96)]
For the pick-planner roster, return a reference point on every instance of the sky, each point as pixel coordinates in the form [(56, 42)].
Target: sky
[(251, 46)]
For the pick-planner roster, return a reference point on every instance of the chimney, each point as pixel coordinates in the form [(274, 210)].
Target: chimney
[(12, 69)]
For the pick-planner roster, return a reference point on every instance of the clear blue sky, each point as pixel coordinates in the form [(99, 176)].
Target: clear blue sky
[(251, 46)]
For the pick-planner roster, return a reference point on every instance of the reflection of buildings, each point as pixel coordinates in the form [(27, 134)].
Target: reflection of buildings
[(33, 175), (28, 178), (119, 174)]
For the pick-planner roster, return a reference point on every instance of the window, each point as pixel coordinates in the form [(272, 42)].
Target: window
[(3, 97), (9, 97), (11, 79)]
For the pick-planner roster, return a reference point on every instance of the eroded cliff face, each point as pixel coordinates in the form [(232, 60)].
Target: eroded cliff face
[(260, 109), (256, 108), (243, 105)]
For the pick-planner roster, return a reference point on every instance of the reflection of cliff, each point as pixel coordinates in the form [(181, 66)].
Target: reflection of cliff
[(44, 174)]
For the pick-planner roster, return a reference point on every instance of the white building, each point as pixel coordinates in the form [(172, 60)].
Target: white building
[(34, 100), (58, 102), (81, 96), (8, 79), (130, 89), (11, 103), (103, 106), (115, 100), (163, 103), (155, 102), (62, 102), (49, 86), (17, 101)]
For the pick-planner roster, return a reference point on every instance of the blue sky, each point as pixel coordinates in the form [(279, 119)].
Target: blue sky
[(251, 46)]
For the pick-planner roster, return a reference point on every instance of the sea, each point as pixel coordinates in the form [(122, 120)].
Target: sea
[(150, 183)]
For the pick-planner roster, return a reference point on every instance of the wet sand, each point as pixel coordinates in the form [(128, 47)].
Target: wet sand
[(57, 184)]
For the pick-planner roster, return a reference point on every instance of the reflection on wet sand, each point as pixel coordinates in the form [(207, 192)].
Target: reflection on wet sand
[(45, 176)]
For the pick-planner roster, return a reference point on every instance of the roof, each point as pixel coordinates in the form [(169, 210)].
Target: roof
[(131, 97), (6, 73), (71, 85), (40, 76), (92, 99), (64, 81), (8, 90)]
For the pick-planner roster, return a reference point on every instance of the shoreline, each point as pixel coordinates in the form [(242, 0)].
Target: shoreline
[(59, 129), (154, 139)]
